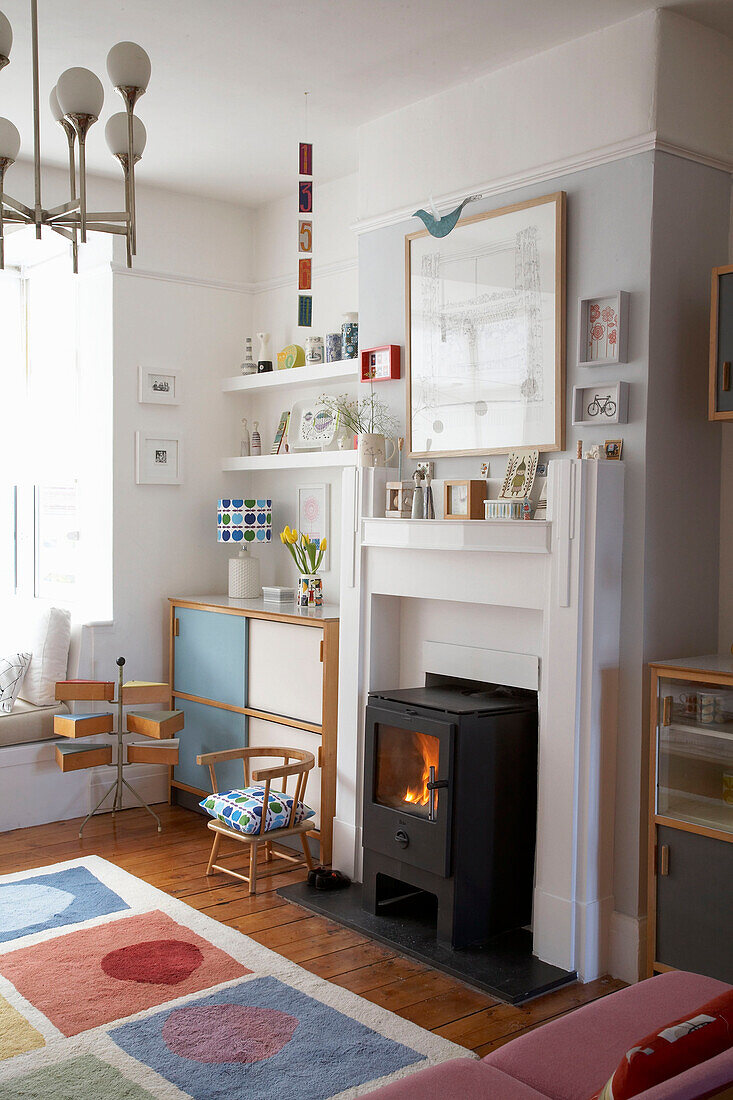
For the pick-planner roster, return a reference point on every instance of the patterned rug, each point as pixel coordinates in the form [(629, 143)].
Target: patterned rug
[(112, 990)]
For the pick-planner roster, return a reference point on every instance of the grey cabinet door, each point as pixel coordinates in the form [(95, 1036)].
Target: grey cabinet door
[(724, 398), (695, 904)]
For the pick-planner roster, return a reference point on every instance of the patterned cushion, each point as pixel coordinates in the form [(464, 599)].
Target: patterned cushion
[(242, 810), (12, 671)]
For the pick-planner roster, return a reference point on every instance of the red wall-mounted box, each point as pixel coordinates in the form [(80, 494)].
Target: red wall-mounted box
[(380, 364)]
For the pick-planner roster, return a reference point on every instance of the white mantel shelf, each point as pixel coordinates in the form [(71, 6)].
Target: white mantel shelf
[(503, 536), (343, 370), (299, 460)]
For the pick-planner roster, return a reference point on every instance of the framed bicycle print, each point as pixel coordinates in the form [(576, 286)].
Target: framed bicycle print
[(485, 331)]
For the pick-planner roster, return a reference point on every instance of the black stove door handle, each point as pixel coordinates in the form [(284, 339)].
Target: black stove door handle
[(437, 784)]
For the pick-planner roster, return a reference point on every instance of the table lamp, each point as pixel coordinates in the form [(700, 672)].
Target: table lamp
[(244, 523)]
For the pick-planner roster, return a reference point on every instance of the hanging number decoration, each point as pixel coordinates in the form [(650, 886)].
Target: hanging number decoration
[(305, 229), (306, 159), (304, 274), (306, 197), (305, 236)]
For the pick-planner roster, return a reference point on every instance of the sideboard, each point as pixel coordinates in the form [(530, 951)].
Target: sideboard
[(249, 673)]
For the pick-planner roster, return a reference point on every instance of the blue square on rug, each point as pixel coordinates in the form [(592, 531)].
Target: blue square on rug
[(261, 1038), (44, 902)]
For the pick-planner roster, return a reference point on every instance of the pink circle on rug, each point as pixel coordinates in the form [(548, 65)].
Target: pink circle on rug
[(156, 962), (217, 1034)]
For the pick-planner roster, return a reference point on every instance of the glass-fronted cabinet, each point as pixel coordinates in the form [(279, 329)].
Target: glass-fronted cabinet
[(691, 816)]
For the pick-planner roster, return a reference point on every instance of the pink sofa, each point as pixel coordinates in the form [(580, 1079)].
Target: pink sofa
[(572, 1058)]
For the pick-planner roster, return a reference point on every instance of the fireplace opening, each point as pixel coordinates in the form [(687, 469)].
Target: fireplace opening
[(406, 761)]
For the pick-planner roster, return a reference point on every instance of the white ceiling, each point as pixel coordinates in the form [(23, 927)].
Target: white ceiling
[(224, 110)]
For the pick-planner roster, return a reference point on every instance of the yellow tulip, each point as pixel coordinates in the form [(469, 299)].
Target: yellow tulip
[(282, 537), (305, 538), (324, 544), (293, 537)]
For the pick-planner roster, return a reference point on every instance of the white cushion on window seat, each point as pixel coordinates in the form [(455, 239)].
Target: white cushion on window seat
[(27, 723)]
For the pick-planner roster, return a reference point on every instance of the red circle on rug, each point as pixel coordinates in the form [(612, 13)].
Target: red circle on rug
[(156, 962), (227, 1033)]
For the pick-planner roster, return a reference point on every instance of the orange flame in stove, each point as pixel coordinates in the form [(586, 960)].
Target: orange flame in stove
[(429, 748)]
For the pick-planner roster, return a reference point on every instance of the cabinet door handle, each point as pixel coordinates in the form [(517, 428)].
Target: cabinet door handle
[(726, 375), (664, 859), (320, 653), (176, 627), (667, 710)]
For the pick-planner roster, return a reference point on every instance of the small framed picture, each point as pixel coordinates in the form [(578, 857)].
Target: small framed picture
[(602, 329), (313, 516), (541, 469), (158, 459), (158, 387), (612, 448), (463, 499)]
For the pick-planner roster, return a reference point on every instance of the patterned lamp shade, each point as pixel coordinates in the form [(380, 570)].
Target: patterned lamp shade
[(244, 522)]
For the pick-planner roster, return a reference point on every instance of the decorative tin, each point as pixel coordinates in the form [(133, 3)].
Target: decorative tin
[(333, 347), (314, 349), (350, 336)]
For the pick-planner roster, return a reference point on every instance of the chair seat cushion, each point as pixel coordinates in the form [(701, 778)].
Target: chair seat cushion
[(242, 809)]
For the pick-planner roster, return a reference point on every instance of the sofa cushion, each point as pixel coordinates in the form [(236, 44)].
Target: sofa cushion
[(27, 723), (242, 809), (687, 1041), (462, 1077), (50, 648), (573, 1057), (12, 670), (702, 1081)]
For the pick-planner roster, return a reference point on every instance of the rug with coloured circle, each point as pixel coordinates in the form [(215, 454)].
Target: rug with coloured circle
[(111, 988)]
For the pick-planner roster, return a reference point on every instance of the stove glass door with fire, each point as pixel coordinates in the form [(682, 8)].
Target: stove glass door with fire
[(408, 786)]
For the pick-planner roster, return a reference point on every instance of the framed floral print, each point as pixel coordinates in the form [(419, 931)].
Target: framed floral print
[(486, 333)]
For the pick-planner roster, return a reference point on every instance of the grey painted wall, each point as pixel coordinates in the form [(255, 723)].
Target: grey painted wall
[(614, 242)]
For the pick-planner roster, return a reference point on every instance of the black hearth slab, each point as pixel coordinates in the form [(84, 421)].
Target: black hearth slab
[(504, 968)]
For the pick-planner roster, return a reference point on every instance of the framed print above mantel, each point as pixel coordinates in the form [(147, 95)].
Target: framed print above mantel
[(485, 333)]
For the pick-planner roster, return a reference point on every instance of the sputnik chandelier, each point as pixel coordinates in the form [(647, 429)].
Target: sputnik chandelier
[(76, 103)]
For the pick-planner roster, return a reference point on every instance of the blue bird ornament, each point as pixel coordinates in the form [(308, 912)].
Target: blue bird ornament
[(441, 225)]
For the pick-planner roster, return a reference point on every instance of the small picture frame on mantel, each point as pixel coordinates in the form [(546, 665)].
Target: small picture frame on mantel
[(603, 329), (464, 499)]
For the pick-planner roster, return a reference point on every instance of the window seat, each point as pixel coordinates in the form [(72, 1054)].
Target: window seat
[(26, 723)]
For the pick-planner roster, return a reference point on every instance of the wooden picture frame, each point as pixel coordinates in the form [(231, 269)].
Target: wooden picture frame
[(463, 499), (514, 397), (720, 385)]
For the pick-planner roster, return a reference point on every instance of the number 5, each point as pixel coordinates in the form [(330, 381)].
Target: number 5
[(305, 240)]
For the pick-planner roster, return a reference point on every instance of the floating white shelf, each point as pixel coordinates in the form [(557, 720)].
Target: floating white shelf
[(298, 460), (345, 370), (495, 535)]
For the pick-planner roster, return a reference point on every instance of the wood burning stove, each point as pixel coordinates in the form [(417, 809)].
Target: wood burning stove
[(450, 805)]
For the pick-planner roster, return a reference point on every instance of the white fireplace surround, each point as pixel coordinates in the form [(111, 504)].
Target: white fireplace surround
[(541, 601)]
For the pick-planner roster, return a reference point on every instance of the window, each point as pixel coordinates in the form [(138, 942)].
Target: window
[(56, 438)]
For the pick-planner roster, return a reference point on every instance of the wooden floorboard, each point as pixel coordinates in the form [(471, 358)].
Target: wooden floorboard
[(175, 861)]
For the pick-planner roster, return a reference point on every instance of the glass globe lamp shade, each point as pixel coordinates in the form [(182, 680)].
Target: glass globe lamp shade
[(115, 134), (80, 92), (6, 36), (128, 66), (53, 102), (9, 140)]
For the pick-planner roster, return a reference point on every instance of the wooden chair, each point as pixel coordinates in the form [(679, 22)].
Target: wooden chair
[(304, 762)]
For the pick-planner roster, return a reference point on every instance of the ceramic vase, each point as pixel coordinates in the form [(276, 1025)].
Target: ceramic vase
[(310, 590), (372, 449), (264, 355), (350, 336), (314, 349), (333, 347)]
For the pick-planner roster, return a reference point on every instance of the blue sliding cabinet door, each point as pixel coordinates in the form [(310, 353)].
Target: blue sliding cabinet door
[(210, 729), (210, 656)]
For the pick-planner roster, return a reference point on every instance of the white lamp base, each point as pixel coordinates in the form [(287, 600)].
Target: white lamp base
[(244, 577)]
